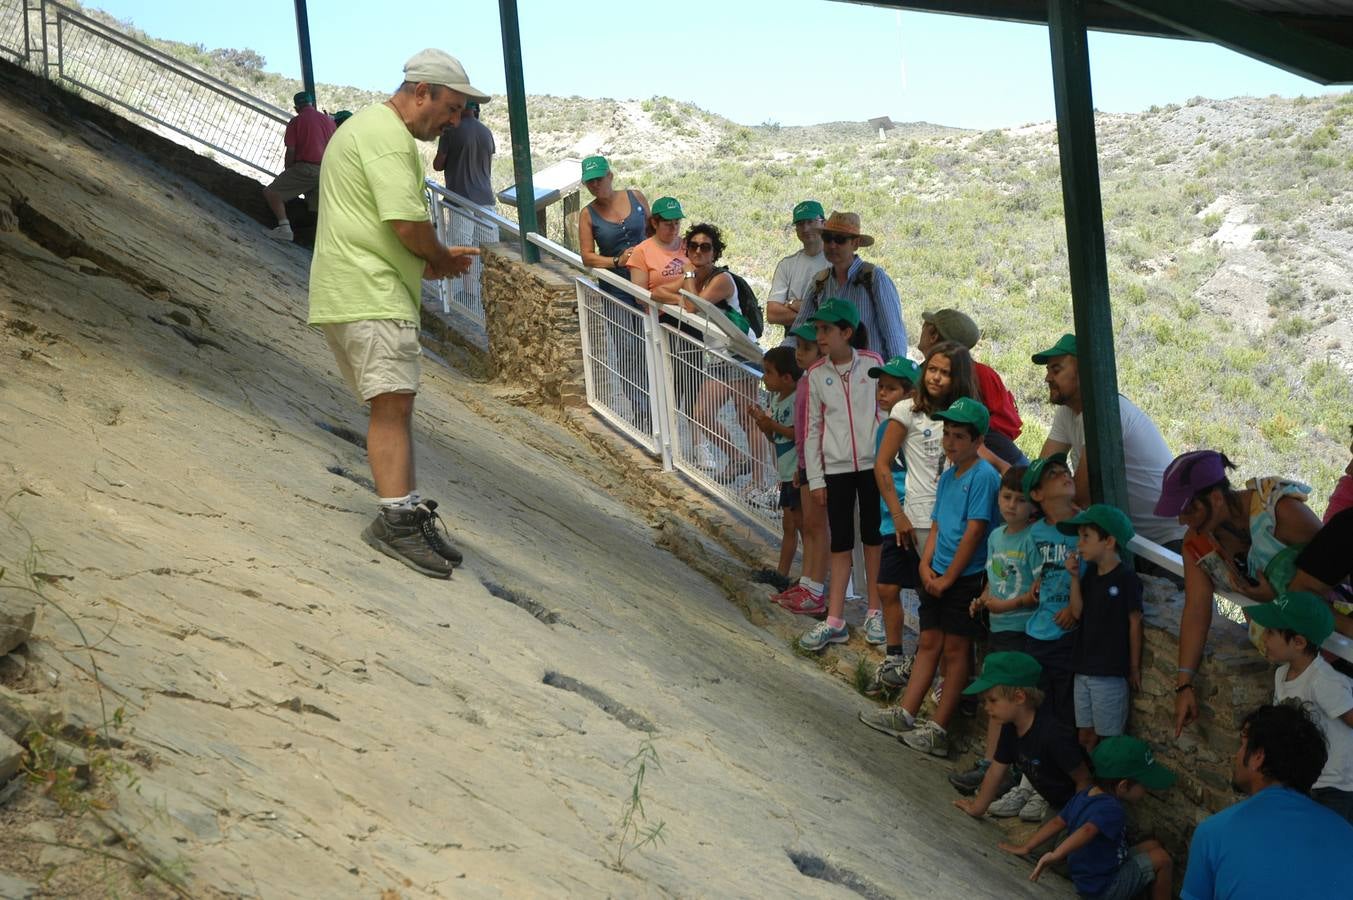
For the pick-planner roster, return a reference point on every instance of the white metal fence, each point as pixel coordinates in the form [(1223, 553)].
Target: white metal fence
[(461, 223), (89, 57)]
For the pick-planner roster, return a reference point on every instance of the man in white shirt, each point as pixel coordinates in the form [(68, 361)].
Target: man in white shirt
[(1145, 453), (794, 274)]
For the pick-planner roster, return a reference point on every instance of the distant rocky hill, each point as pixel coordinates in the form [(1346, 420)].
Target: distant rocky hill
[(1230, 238)]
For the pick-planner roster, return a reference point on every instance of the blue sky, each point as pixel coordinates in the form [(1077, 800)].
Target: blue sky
[(795, 62)]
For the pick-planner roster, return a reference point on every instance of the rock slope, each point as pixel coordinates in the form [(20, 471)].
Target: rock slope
[(304, 718)]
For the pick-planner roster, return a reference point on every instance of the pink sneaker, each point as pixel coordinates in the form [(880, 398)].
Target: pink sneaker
[(806, 604), (788, 595)]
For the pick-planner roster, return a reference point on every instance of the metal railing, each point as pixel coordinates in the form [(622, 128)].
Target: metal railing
[(14, 34), (91, 58), (460, 223), (1228, 604)]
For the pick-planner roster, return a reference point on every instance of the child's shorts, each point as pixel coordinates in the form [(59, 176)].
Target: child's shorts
[(1007, 642), (789, 495), (908, 561), (1131, 879), (949, 612), (1101, 703), (893, 565)]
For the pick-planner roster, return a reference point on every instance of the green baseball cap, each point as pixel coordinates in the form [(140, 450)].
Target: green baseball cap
[(595, 167), (808, 210), (966, 411), (1012, 669), (805, 331), (1300, 611), (898, 367), (342, 116), (668, 208), (836, 311), (1110, 518), (1124, 756), (1065, 346), (303, 98), (1034, 474)]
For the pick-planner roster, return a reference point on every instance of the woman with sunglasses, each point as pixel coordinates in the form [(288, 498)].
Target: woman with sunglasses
[(704, 278), (1239, 540)]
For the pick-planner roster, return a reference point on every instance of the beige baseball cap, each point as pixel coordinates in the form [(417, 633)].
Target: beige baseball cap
[(434, 66)]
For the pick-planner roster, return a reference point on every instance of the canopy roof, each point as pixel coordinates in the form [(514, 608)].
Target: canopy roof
[(1310, 38)]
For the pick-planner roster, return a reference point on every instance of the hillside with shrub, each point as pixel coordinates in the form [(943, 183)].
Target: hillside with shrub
[(1229, 237)]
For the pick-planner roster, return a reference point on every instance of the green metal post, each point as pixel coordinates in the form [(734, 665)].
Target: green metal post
[(521, 132), (1085, 250), (303, 39)]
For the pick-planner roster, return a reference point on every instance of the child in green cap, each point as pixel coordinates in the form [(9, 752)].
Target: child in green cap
[(1102, 864), (1044, 748), (1296, 624), (1106, 599)]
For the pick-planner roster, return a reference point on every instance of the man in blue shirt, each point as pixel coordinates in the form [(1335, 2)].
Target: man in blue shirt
[(1278, 842), (865, 285)]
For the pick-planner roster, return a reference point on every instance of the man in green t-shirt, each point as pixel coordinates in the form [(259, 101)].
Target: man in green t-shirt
[(374, 245)]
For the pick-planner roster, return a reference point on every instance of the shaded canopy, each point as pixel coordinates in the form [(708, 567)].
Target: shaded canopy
[(1310, 38)]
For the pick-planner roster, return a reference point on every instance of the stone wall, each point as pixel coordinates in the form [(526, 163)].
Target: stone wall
[(1233, 680), (531, 317)]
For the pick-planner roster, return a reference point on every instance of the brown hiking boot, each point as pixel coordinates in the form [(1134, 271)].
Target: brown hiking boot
[(412, 537)]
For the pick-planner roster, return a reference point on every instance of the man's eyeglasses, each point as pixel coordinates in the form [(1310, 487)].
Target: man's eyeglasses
[(837, 238), (699, 245)]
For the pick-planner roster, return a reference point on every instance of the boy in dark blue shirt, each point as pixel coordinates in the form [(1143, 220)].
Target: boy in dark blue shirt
[(1106, 599), (1096, 849)]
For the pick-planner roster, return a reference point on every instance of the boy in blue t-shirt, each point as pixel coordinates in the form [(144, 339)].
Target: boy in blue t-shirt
[(1096, 848), (952, 572), (896, 380), (1051, 628), (782, 374), (1009, 598)]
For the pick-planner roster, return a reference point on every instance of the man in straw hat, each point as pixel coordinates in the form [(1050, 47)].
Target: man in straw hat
[(865, 285), (306, 137), (374, 246)]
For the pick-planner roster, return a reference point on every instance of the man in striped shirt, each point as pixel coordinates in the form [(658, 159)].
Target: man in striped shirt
[(865, 285)]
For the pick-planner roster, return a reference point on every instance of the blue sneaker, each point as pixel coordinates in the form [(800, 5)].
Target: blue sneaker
[(822, 634), (873, 629)]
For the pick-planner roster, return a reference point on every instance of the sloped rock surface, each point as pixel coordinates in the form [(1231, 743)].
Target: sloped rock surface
[(307, 718)]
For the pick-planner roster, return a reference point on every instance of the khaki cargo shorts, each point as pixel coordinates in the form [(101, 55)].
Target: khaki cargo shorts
[(299, 178), (376, 356)]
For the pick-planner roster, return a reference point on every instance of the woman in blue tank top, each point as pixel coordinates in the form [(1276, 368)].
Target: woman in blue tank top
[(614, 222)]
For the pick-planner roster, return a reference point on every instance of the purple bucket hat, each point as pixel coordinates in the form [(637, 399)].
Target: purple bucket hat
[(1186, 476)]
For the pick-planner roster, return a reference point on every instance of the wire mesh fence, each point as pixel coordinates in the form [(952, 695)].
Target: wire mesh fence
[(14, 30), (458, 225), (100, 62), (619, 362), (715, 439)]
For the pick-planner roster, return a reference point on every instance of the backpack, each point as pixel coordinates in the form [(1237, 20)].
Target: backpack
[(751, 306), (864, 276)]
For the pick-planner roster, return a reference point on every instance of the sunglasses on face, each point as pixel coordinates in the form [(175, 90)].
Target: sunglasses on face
[(837, 238), (700, 245)]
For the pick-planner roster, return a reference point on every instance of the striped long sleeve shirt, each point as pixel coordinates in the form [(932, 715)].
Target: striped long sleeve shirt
[(882, 318)]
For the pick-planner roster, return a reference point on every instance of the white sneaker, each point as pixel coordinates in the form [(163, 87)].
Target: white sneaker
[(282, 233), (1036, 810), (1012, 803)]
